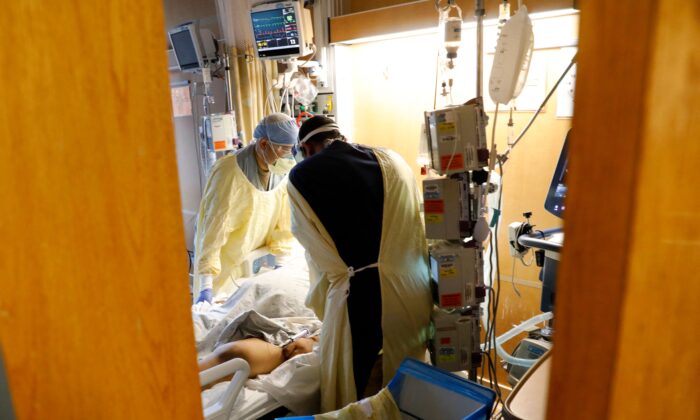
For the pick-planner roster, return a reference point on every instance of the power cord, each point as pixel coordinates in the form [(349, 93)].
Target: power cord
[(494, 298)]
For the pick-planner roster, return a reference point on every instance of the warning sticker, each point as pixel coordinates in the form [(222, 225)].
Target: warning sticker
[(447, 127), (434, 206), (431, 192), (434, 218), (447, 354), (454, 161), (219, 145), (448, 271), (451, 300)]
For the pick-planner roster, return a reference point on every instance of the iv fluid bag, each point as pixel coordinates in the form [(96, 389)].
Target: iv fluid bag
[(451, 23), (512, 59)]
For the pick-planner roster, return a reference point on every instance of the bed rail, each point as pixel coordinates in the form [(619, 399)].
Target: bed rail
[(221, 408)]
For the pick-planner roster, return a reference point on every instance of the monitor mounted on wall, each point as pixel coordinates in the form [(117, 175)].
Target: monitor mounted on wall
[(281, 29)]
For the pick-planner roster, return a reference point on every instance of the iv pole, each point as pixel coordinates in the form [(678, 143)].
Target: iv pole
[(479, 13)]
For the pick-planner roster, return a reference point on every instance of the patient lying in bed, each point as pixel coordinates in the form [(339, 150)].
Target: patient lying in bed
[(263, 357)]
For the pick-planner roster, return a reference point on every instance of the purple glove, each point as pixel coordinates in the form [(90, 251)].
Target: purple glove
[(204, 295)]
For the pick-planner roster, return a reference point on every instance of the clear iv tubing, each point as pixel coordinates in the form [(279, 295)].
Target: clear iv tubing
[(504, 157), (301, 334), (492, 162), (523, 326)]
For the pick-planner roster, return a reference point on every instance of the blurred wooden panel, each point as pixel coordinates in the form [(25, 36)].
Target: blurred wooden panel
[(94, 308), (626, 314), (607, 128), (371, 18), (659, 352)]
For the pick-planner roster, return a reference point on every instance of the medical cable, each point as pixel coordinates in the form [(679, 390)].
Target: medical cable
[(491, 330), (492, 150), (526, 264), (492, 371), (492, 296), (282, 99), (492, 299), (498, 275), (490, 335), (494, 330), (491, 167), (504, 157), (492, 376), (197, 134), (269, 100), (437, 76), (454, 152), (313, 54), (512, 278)]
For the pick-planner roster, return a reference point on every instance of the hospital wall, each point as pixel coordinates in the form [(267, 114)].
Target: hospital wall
[(392, 84), (95, 316)]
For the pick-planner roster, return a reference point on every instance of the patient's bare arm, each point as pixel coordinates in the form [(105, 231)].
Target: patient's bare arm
[(300, 346), (262, 356)]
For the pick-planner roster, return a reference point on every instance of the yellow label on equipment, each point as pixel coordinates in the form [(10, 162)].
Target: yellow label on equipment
[(433, 218), (446, 272), (447, 358), (447, 127)]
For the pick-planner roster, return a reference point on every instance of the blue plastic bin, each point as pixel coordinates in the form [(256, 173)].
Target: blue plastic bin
[(425, 392)]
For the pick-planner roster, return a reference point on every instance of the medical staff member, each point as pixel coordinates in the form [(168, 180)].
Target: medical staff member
[(244, 207), (356, 211)]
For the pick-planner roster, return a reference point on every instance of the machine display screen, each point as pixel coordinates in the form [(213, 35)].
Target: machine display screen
[(185, 51), (555, 201), (276, 32)]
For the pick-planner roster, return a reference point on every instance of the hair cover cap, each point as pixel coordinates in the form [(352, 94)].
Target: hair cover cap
[(278, 128)]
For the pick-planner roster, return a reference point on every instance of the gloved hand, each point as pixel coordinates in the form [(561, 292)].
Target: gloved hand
[(204, 296)]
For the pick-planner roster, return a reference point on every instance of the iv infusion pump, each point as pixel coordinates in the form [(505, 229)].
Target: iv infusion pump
[(458, 152), (455, 138)]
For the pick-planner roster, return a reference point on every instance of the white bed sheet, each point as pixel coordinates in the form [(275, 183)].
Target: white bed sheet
[(275, 294), (250, 404), (294, 384), (279, 295)]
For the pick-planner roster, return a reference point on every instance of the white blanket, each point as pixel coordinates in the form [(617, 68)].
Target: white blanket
[(294, 384), (279, 295), (275, 294)]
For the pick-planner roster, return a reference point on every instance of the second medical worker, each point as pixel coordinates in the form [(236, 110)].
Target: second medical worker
[(244, 207)]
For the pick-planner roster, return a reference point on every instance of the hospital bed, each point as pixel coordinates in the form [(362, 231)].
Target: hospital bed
[(279, 296)]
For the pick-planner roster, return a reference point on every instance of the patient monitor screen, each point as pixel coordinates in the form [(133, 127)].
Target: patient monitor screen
[(185, 50), (555, 201), (276, 32)]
